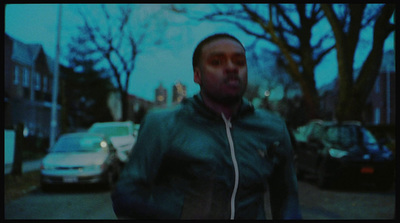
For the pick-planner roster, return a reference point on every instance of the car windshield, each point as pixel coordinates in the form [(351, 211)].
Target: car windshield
[(111, 131), (78, 144), (345, 136), (348, 136)]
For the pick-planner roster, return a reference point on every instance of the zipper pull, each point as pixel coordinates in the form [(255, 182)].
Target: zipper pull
[(227, 121)]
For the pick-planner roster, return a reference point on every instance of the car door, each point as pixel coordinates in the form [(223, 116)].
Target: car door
[(313, 148), (302, 147)]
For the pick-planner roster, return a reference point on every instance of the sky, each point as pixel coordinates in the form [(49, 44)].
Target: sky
[(164, 63)]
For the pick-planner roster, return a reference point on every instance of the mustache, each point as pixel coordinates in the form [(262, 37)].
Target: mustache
[(232, 76)]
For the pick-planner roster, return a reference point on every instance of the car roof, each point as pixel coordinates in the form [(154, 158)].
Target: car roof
[(76, 134), (333, 123), (127, 123)]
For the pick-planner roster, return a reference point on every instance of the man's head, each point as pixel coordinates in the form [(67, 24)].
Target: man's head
[(220, 68)]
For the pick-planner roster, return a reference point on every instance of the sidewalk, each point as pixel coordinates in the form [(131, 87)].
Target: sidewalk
[(27, 166)]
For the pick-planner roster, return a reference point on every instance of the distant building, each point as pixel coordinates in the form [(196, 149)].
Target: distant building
[(381, 104), (161, 96), (178, 92), (138, 107)]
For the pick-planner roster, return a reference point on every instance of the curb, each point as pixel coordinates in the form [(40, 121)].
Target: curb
[(27, 166)]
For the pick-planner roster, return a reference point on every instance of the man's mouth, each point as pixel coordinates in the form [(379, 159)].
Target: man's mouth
[(233, 82)]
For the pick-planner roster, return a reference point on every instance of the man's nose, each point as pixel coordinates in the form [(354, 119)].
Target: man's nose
[(231, 66)]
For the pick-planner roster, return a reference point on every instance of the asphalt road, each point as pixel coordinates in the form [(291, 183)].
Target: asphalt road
[(95, 203)]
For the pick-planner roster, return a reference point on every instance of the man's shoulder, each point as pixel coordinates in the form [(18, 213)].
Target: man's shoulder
[(267, 118), (267, 115), (158, 113)]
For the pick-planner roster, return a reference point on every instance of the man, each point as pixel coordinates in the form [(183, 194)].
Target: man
[(214, 156)]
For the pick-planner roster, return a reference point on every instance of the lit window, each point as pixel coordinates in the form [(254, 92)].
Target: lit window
[(377, 116)]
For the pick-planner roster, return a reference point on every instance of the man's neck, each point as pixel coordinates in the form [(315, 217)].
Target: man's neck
[(228, 110)]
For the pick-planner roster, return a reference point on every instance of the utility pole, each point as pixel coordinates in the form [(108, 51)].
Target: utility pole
[(54, 105)]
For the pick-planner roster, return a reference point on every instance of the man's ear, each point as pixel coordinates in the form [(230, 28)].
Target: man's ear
[(197, 75)]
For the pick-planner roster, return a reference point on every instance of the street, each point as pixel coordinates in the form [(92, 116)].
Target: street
[(62, 203), (346, 202), (95, 203)]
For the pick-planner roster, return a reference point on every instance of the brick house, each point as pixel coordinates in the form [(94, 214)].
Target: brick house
[(27, 87)]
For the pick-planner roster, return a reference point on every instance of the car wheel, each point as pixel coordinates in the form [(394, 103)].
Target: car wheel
[(322, 181), (384, 185), (45, 187), (109, 180), (299, 172)]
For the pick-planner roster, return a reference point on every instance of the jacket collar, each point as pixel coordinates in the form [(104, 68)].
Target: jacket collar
[(198, 105)]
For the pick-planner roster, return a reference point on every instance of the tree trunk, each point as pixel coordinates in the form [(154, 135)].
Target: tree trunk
[(353, 95), (124, 105), (311, 99), (19, 144)]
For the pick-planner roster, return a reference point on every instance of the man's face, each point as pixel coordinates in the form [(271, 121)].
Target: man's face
[(222, 71)]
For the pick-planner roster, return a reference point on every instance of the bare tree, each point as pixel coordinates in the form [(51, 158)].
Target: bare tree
[(346, 25), (289, 28), (111, 42)]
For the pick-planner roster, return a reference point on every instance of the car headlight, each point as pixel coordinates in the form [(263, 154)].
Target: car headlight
[(336, 153), (103, 144)]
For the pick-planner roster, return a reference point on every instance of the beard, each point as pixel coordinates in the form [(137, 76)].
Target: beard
[(224, 98)]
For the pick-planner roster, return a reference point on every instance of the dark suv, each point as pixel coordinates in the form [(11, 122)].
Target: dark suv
[(347, 150)]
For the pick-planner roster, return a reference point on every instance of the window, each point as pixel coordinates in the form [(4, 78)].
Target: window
[(17, 74), (377, 114), (45, 84), (25, 77), (377, 85), (37, 81)]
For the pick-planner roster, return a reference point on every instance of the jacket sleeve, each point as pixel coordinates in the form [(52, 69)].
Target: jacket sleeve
[(283, 181), (132, 196)]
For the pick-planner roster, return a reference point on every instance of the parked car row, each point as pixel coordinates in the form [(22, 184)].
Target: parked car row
[(92, 157), (121, 134), (346, 151)]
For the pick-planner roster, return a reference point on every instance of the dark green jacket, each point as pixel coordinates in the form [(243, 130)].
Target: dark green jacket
[(190, 163)]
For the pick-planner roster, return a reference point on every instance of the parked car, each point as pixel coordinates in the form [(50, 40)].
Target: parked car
[(333, 151), (122, 135), (80, 158)]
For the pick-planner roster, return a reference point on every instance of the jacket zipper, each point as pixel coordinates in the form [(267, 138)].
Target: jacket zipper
[(228, 126)]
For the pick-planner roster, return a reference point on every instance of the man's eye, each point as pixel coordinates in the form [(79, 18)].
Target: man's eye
[(240, 62), (216, 62)]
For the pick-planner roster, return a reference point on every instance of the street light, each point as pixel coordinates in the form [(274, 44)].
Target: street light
[(267, 93), (53, 121)]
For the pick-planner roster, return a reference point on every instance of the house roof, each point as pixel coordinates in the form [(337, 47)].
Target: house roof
[(24, 53), (27, 54)]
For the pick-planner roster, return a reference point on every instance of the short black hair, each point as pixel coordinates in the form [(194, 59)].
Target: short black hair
[(198, 50)]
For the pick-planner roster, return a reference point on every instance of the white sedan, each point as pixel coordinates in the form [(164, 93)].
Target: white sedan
[(80, 158)]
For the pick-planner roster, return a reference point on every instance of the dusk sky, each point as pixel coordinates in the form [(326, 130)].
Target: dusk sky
[(165, 62)]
